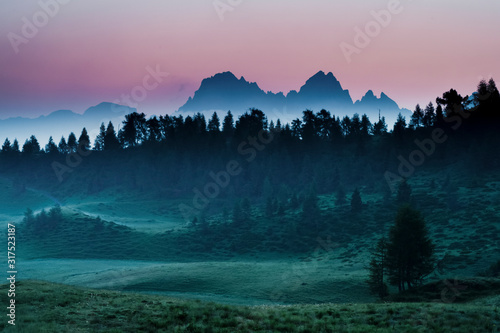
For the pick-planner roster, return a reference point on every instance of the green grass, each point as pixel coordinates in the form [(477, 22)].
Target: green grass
[(49, 307)]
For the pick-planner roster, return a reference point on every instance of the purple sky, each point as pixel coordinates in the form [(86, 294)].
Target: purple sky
[(93, 51)]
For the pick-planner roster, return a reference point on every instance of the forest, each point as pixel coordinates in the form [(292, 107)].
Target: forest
[(249, 186)]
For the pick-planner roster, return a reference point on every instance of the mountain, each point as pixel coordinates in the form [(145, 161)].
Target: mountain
[(224, 91), (61, 123)]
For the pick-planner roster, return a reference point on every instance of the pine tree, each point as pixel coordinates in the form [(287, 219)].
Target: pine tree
[(15, 146), (63, 146), (356, 202), (380, 127), (72, 143), (429, 115), (31, 146), (99, 140), (6, 148), (417, 117), (404, 192), (410, 251), (378, 268), (50, 147), (84, 140), (214, 124), (228, 125), (110, 140)]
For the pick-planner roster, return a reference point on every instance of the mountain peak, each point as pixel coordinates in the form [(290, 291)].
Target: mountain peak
[(369, 93), (224, 91)]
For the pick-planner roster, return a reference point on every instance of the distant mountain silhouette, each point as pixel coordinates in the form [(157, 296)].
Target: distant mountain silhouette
[(62, 122), (223, 92)]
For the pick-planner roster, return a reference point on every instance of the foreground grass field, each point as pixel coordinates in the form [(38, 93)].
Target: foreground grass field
[(49, 307)]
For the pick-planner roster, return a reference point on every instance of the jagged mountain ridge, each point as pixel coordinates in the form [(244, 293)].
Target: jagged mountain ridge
[(224, 91)]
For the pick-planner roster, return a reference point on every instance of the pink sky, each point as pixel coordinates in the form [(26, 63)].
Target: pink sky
[(93, 51)]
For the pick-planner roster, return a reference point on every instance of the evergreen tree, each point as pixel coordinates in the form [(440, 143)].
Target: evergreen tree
[(15, 146), (99, 140), (153, 129), (63, 146), (417, 117), (50, 147), (366, 126), (378, 268), (308, 130), (324, 124), (6, 148), (228, 125), (356, 202), (84, 140), (429, 116), (410, 251), (72, 143), (380, 127), (214, 124), (404, 192), (31, 146), (110, 140), (134, 129), (399, 127)]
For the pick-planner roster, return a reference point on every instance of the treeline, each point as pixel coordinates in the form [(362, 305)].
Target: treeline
[(452, 111), (175, 156)]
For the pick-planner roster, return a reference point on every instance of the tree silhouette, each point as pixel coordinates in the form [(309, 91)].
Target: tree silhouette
[(154, 133), (214, 124), (410, 252), (63, 146), (404, 192), (99, 140), (6, 148), (417, 118), (356, 202), (380, 127), (399, 127), (377, 269), (72, 143), (228, 125), (51, 148), (134, 129), (15, 146), (84, 140), (366, 126), (31, 146), (308, 130), (110, 140), (452, 102), (429, 116)]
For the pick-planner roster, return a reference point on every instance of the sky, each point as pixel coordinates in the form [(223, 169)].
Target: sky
[(74, 54)]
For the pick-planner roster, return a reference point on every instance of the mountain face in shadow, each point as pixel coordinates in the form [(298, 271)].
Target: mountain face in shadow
[(62, 122), (223, 92)]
